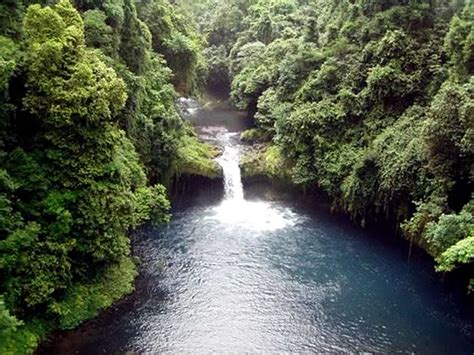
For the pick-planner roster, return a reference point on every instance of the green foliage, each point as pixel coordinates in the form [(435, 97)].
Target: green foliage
[(224, 25), (449, 230), (86, 300), (253, 135), (98, 33), (36, 269), (175, 37), (87, 114), (8, 57), (371, 102), (152, 205), (460, 253), (268, 19), (269, 108), (459, 42), (135, 44), (133, 38), (68, 84), (218, 76), (23, 340), (196, 158), (8, 323), (449, 130), (267, 162)]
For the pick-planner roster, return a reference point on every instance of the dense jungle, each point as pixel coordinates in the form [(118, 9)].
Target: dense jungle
[(365, 104)]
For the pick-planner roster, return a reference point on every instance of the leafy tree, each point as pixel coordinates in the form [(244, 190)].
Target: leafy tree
[(71, 183), (371, 102), (449, 230), (176, 39), (8, 323)]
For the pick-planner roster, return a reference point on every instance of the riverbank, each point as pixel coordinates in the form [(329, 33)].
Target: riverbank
[(81, 302), (195, 169), (292, 272), (264, 161)]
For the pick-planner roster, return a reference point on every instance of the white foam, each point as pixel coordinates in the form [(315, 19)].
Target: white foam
[(254, 215), (235, 211)]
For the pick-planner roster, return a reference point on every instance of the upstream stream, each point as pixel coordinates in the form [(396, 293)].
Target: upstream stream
[(245, 274)]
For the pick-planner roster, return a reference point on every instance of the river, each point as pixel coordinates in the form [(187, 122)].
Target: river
[(245, 274)]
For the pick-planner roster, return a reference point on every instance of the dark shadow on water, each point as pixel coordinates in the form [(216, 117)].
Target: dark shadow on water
[(108, 332), (195, 191), (369, 266)]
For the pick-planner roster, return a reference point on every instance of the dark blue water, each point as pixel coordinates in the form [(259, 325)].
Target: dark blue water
[(258, 276)]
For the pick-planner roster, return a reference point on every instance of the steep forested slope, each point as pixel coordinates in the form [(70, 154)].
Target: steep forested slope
[(370, 101), (88, 131)]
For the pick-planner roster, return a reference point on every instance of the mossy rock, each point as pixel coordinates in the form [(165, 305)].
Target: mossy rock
[(81, 302), (197, 158), (254, 135), (265, 162)]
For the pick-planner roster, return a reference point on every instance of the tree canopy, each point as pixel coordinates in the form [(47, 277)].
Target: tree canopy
[(89, 133), (369, 101)]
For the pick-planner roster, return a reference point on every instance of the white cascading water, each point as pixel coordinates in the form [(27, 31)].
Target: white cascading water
[(229, 161), (189, 107), (235, 211)]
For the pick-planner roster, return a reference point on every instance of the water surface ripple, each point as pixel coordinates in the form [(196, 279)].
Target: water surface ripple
[(304, 285), (257, 276)]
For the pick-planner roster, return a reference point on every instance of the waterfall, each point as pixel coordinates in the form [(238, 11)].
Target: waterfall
[(234, 210), (229, 161), (188, 106)]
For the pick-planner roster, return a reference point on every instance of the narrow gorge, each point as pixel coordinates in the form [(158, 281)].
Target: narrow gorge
[(244, 176)]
